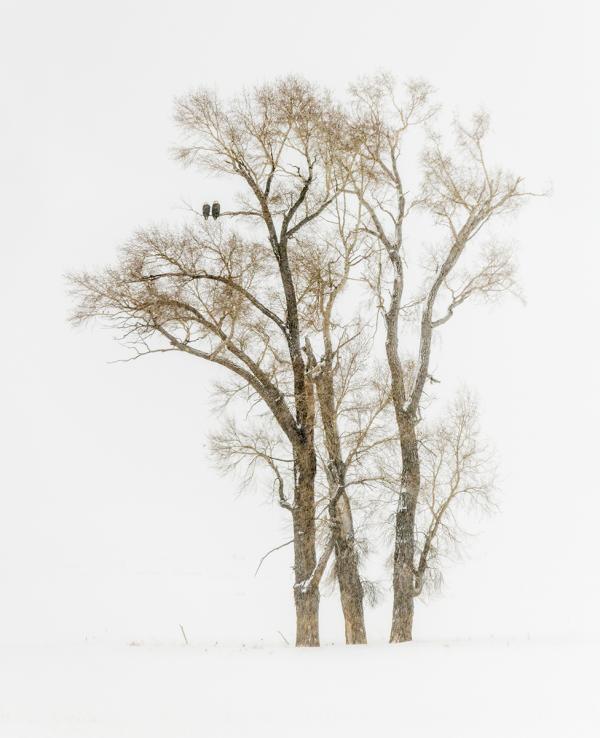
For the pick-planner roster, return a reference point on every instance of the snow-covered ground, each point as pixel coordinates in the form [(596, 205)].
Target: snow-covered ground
[(494, 687)]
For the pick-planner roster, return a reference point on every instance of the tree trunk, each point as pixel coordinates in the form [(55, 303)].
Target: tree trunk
[(340, 512), (403, 580), (346, 565), (404, 545), (307, 616), (306, 596)]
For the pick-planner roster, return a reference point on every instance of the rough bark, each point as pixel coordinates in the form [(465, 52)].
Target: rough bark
[(404, 547), (306, 594), (346, 565), (340, 512), (307, 616)]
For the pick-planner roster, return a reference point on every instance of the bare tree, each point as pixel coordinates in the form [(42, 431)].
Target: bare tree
[(460, 194), (233, 301), (275, 297)]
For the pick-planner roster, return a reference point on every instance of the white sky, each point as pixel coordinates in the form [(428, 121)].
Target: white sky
[(112, 523)]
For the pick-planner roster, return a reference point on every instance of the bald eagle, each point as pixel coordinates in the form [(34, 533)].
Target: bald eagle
[(206, 210), (216, 210)]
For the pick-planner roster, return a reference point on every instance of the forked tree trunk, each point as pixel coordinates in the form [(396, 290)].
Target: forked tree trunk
[(346, 565), (306, 596), (404, 546)]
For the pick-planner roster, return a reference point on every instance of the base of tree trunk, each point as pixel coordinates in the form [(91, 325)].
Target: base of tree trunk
[(402, 617), (356, 637), (307, 617), (401, 630), (354, 624), (351, 591), (400, 637)]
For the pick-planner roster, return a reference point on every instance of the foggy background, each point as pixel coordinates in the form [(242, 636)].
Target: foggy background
[(113, 524)]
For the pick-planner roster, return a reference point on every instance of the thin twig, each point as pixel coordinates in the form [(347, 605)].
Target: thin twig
[(283, 545)]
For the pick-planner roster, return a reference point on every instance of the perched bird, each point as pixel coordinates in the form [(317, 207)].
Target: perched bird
[(206, 210), (216, 210)]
